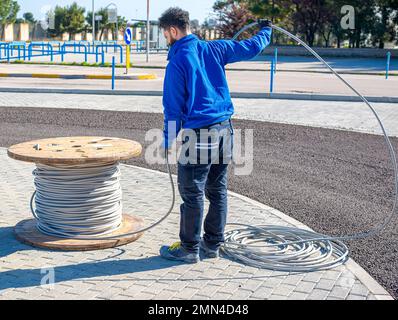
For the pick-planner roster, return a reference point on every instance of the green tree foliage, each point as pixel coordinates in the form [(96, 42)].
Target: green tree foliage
[(28, 17), (68, 19), (74, 19), (277, 11), (319, 21), (8, 13)]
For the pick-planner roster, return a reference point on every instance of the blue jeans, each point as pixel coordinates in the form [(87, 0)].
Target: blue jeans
[(207, 176)]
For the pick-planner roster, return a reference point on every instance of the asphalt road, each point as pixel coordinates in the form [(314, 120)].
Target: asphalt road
[(336, 182)]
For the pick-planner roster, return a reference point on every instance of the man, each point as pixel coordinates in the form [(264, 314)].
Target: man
[(196, 98)]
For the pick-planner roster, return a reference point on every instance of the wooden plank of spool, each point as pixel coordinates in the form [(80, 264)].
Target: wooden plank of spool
[(27, 232), (75, 150)]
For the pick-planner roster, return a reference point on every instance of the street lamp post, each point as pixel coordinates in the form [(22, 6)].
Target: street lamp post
[(147, 30), (93, 23)]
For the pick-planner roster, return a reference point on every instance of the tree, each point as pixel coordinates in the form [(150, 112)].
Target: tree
[(28, 17), (60, 22), (233, 16), (8, 13), (104, 24), (68, 19), (332, 23), (101, 25), (385, 28), (122, 23), (309, 17), (278, 11), (74, 19)]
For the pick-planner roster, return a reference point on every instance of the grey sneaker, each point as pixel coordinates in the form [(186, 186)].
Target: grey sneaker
[(208, 253), (177, 253)]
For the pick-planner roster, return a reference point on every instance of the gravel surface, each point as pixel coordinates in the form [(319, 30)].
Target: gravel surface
[(336, 182)]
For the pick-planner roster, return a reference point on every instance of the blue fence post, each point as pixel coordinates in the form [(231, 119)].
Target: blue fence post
[(388, 63), (62, 52), (85, 53), (271, 83), (8, 53), (121, 52), (113, 73), (50, 48), (102, 57), (276, 59)]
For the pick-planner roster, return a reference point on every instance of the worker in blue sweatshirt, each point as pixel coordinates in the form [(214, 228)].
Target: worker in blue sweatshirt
[(196, 99)]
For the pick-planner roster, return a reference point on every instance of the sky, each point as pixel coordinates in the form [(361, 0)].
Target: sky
[(198, 9)]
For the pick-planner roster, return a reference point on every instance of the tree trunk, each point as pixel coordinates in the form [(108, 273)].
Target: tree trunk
[(384, 19), (3, 32), (357, 38)]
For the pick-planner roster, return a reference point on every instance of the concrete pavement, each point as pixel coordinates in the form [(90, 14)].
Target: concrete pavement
[(261, 63), (135, 271), (254, 81)]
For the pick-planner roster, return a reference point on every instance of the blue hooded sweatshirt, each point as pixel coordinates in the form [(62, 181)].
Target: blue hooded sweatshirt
[(195, 90)]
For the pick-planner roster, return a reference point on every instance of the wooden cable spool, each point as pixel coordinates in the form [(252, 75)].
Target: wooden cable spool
[(79, 150)]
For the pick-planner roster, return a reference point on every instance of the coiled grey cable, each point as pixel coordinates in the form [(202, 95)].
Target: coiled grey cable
[(74, 200), (292, 249), (96, 189)]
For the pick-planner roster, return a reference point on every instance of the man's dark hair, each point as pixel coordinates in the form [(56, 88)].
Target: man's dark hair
[(174, 17)]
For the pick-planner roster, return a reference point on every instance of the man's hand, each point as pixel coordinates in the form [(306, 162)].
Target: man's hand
[(263, 23)]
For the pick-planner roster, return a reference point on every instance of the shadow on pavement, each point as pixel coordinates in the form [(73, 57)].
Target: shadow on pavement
[(21, 278)]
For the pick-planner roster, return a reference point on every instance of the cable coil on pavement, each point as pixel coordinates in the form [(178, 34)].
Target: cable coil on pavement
[(292, 249)]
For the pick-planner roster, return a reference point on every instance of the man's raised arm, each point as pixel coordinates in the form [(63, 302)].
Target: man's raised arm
[(230, 51)]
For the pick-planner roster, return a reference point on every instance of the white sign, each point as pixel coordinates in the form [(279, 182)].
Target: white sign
[(98, 18), (112, 15)]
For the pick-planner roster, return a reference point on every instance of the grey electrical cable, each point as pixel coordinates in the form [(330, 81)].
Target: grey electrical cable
[(292, 249), (73, 200), (54, 216)]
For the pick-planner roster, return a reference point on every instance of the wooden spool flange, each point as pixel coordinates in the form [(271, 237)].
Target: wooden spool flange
[(76, 150)]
